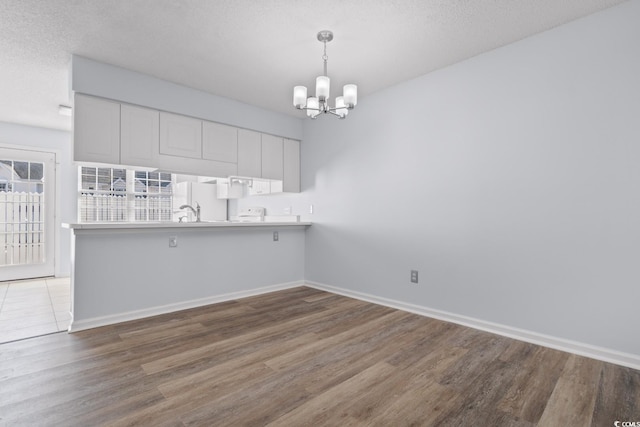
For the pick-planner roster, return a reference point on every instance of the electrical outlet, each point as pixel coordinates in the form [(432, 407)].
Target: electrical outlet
[(173, 241), (275, 236), (287, 210), (414, 276), (310, 209)]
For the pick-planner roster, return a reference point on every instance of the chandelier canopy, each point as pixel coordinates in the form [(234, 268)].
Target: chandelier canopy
[(320, 103)]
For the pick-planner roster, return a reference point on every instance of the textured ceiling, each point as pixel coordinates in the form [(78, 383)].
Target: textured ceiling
[(253, 51)]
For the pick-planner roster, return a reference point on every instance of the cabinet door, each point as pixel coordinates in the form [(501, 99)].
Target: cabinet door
[(249, 153), (291, 155), (96, 130), (140, 136), (219, 142), (271, 157), (180, 136)]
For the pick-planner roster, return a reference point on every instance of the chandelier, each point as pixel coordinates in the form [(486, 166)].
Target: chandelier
[(320, 103)]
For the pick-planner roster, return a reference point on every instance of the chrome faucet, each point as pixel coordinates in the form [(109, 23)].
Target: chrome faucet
[(195, 211)]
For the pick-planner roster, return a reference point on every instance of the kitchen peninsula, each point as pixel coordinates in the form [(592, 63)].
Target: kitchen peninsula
[(125, 271)]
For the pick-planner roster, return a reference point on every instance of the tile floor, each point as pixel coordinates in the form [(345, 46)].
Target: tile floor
[(29, 308)]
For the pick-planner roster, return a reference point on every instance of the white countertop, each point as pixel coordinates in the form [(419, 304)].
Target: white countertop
[(178, 225)]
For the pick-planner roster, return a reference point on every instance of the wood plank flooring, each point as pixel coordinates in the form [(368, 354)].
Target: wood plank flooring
[(303, 357)]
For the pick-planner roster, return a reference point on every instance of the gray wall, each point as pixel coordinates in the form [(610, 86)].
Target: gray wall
[(511, 181), (58, 142)]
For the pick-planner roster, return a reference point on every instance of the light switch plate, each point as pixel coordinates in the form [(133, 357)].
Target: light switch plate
[(173, 241)]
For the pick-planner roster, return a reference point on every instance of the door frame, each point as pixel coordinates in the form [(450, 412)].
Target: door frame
[(47, 268)]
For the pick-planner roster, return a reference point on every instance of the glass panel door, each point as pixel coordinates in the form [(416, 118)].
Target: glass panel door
[(27, 185)]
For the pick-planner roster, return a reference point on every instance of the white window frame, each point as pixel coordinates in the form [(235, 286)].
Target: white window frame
[(156, 206)]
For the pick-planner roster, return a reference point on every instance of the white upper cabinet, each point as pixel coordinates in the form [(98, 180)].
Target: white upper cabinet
[(139, 136), (115, 133), (96, 130), (272, 167), (291, 169), (249, 153), (219, 142), (180, 135)]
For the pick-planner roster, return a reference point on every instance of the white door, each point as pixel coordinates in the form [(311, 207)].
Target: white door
[(27, 197)]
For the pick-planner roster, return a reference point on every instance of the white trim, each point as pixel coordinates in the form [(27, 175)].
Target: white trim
[(13, 135), (581, 349), (49, 158), (95, 322)]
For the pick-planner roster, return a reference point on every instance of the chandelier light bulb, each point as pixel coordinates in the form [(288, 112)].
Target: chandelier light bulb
[(341, 109), (322, 87), (313, 107), (299, 97), (350, 93)]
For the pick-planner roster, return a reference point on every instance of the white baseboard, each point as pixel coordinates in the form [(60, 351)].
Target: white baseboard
[(95, 322), (587, 350)]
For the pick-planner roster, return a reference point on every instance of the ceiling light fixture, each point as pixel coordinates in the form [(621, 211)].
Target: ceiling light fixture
[(320, 103)]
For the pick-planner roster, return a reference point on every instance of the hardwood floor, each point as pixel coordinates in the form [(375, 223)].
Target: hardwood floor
[(304, 357)]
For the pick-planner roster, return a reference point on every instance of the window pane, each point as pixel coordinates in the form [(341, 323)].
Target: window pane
[(104, 182), (88, 182), (120, 173), (22, 169), (140, 186), (35, 171), (154, 186), (88, 171), (166, 187), (119, 184)]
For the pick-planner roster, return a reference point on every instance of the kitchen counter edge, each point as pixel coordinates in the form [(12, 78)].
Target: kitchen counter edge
[(176, 225)]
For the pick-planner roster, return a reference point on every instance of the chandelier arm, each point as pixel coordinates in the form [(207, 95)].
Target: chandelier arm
[(322, 110), (340, 116)]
